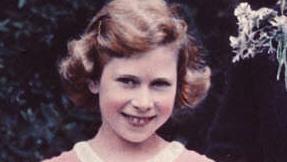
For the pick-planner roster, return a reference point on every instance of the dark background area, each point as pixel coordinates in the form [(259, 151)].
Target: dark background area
[(243, 119)]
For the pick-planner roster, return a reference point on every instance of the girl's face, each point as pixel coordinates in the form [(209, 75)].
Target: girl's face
[(137, 94)]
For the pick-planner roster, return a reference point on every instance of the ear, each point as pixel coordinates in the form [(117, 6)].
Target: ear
[(93, 86)]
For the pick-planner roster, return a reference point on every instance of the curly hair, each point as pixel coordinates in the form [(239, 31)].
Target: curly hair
[(123, 28)]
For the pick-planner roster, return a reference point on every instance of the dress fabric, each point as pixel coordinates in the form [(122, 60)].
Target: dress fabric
[(173, 152), (168, 154)]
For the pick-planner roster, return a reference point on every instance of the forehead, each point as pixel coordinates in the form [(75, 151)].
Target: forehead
[(159, 61)]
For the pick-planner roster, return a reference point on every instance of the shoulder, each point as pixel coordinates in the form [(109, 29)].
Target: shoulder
[(184, 155), (189, 155), (69, 156)]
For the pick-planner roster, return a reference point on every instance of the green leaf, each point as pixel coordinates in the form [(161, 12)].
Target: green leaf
[(21, 3)]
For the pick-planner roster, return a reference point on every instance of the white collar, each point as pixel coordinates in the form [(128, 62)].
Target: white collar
[(86, 154)]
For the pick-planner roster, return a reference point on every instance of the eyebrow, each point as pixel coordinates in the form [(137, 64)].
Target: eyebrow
[(162, 79), (138, 79), (127, 76)]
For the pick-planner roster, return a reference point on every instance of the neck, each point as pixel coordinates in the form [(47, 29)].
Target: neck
[(106, 142)]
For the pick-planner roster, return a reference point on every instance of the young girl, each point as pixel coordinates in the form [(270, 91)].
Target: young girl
[(135, 62)]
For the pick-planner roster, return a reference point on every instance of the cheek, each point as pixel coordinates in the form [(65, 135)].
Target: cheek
[(166, 105), (112, 101)]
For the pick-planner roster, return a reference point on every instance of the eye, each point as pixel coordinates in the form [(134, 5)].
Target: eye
[(128, 82), (161, 84)]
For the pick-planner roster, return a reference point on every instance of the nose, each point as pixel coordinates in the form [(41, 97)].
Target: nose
[(143, 101)]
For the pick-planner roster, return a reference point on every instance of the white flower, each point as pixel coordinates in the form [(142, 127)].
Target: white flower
[(234, 42), (279, 21), (256, 36), (241, 9), (262, 13)]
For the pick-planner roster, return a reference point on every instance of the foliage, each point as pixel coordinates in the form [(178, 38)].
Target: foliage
[(37, 119)]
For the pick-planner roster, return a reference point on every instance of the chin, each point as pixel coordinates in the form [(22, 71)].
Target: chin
[(136, 139)]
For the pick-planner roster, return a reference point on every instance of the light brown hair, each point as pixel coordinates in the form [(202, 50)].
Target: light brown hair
[(126, 27)]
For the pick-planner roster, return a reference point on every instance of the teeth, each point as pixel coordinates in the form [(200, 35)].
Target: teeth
[(137, 121), (142, 121)]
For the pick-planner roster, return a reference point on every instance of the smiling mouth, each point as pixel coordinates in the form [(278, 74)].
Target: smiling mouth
[(138, 121)]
